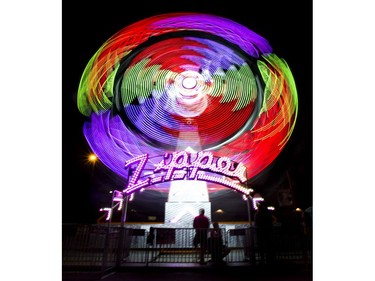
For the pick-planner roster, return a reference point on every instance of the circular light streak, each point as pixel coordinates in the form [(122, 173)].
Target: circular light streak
[(181, 80)]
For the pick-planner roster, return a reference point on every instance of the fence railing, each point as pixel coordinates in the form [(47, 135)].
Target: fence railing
[(98, 247)]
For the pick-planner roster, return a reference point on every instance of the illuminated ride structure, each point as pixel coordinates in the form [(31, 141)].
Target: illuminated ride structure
[(178, 100)]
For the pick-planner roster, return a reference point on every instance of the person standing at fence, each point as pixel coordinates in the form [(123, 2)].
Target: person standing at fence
[(201, 223), (216, 246), (151, 237)]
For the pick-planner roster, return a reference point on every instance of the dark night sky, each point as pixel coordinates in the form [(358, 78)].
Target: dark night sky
[(288, 28)]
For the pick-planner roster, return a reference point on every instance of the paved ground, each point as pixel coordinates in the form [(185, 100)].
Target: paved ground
[(221, 273)]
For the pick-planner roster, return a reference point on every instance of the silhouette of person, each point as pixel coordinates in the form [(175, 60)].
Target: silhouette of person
[(216, 245), (151, 237), (201, 223)]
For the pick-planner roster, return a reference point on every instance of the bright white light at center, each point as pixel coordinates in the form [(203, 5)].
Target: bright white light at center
[(189, 82), (188, 93)]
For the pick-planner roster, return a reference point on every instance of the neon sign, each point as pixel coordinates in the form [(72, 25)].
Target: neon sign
[(183, 166), (118, 197)]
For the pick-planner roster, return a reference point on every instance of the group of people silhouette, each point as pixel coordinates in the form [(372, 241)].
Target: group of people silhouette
[(211, 241)]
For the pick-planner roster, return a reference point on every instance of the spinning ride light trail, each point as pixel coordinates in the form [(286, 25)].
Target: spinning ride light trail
[(187, 80)]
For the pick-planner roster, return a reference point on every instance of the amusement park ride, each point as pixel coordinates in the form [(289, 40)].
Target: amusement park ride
[(183, 99)]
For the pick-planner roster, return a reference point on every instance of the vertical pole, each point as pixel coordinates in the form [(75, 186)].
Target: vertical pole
[(110, 217), (106, 249), (107, 237), (249, 237), (248, 199), (124, 210), (122, 232)]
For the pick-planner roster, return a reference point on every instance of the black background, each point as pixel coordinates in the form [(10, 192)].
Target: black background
[(287, 25)]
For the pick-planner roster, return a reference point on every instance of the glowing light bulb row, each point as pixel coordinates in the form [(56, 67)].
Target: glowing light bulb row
[(225, 182), (255, 202), (109, 212), (118, 197), (181, 165)]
